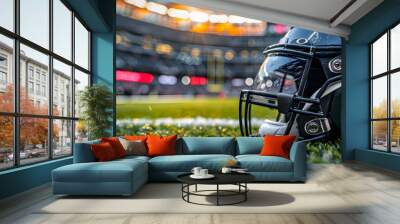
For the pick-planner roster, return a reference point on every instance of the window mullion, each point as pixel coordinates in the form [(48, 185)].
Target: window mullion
[(50, 81), (16, 85), (389, 105), (371, 89), (73, 81)]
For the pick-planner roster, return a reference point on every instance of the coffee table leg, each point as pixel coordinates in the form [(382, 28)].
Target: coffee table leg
[(217, 194), (195, 188), (188, 189), (245, 193)]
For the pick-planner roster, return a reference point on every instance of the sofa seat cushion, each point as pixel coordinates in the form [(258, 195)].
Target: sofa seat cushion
[(185, 163), (112, 171), (133, 157), (257, 163)]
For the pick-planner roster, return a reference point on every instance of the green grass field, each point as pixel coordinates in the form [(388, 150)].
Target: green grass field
[(153, 108), (185, 108)]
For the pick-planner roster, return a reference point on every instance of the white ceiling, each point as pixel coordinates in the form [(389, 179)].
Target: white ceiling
[(329, 16)]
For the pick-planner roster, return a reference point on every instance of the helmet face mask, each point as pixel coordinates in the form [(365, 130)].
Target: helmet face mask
[(301, 64)]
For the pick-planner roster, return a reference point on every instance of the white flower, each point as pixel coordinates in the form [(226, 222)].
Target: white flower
[(184, 122)]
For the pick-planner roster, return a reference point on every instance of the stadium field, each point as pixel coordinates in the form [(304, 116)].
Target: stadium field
[(206, 107)]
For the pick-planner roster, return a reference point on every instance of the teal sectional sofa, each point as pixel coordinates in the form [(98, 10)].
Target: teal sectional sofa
[(125, 176)]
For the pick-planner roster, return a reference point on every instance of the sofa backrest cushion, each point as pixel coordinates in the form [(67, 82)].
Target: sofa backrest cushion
[(248, 145), (83, 152), (206, 145)]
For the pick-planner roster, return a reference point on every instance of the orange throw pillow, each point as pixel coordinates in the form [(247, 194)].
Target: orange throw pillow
[(103, 152), (277, 145), (116, 145), (161, 145), (136, 137)]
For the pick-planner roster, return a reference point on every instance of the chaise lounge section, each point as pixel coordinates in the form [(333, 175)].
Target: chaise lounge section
[(88, 177), (125, 176)]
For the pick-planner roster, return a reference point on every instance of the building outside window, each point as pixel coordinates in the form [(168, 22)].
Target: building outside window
[(3, 72), (30, 72), (3, 78), (30, 87), (3, 61), (38, 89), (56, 128), (37, 74), (3, 81), (385, 95), (55, 97), (43, 90), (44, 77)]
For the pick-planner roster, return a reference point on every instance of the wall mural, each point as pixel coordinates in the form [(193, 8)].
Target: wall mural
[(194, 72)]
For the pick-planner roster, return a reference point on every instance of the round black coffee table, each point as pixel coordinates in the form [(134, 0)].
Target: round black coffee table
[(238, 179)]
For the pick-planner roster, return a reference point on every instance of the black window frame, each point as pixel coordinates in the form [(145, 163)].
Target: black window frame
[(16, 114), (388, 74)]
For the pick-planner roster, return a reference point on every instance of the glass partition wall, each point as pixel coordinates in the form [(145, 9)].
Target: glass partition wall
[(385, 91), (44, 64)]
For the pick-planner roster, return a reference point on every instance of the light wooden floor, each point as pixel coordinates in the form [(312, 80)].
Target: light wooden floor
[(379, 189)]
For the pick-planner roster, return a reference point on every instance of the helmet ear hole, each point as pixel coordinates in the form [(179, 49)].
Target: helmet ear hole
[(335, 65)]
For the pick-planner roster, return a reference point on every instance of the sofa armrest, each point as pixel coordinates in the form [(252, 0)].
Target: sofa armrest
[(83, 152), (298, 156)]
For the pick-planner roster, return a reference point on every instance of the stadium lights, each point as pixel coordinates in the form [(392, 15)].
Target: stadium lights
[(236, 19), (131, 76), (248, 20), (167, 80), (194, 80), (185, 80), (199, 17), (229, 55), (198, 81), (218, 18), (164, 48), (137, 3), (249, 81), (195, 16), (157, 8), (239, 19), (178, 13), (237, 82)]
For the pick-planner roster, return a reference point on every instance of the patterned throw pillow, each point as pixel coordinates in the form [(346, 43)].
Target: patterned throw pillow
[(137, 147)]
